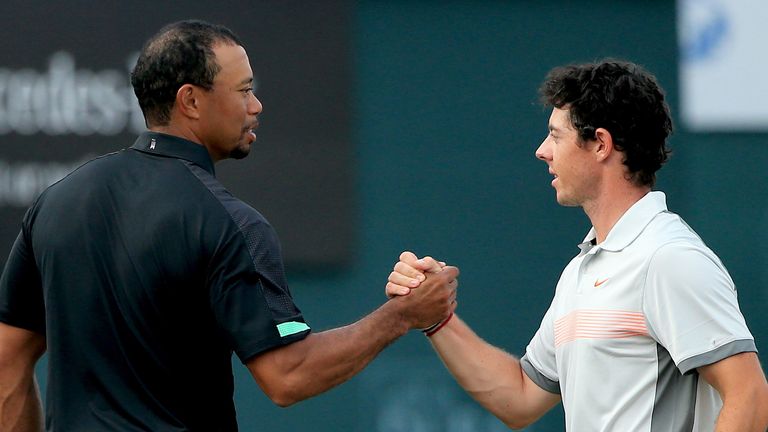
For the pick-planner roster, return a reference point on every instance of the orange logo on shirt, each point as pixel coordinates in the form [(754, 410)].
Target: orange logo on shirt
[(599, 282)]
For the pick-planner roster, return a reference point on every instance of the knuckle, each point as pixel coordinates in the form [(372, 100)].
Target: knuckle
[(407, 256)]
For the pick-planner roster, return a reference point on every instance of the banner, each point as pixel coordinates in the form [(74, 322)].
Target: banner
[(723, 63), (65, 97)]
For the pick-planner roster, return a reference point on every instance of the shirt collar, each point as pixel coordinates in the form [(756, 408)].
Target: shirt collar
[(175, 147), (630, 225)]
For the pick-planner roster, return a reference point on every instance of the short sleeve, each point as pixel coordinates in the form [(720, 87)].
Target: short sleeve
[(691, 307), (249, 293), (21, 293), (539, 361)]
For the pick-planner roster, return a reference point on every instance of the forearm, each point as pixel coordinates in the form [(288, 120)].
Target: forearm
[(326, 359), (491, 376), (339, 354), (20, 405), (300, 370)]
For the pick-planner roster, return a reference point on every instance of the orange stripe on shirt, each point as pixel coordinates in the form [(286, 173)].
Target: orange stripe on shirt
[(599, 324)]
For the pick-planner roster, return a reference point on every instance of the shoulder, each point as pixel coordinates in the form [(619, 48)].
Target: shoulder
[(689, 269), (86, 169), (242, 214), (671, 242), (678, 259), (668, 241), (244, 219), (90, 172), (667, 227)]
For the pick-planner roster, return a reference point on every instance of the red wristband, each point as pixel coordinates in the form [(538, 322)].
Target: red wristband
[(437, 328)]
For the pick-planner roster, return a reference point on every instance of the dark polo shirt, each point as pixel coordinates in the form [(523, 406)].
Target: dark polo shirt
[(145, 274)]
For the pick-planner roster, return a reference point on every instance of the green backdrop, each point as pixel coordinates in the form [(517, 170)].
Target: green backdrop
[(445, 125)]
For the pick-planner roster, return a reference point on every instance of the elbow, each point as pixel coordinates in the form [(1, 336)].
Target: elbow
[(285, 393), (518, 423), (513, 419), (283, 401), (514, 415)]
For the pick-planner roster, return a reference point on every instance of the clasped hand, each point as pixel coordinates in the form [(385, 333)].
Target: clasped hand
[(436, 282)]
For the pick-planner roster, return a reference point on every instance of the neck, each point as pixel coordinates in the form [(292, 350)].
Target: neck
[(178, 131), (182, 131), (609, 207)]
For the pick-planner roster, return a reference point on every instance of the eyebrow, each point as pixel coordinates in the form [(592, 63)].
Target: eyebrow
[(246, 81)]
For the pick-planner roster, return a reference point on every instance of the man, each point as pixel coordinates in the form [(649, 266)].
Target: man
[(644, 332), (141, 274)]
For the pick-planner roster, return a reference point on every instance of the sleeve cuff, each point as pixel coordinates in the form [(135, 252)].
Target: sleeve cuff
[(539, 378), (732, 348)]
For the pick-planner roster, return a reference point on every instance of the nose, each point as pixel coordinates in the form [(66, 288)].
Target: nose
[(542, 152), (255, 107)]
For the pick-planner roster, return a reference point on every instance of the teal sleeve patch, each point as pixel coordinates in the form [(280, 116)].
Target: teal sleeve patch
[(291, 327)]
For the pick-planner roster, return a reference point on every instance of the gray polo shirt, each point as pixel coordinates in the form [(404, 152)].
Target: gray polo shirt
[(631, 320)]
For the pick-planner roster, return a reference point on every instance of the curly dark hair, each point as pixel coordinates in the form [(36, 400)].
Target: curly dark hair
[(180, 53), (622, 98)]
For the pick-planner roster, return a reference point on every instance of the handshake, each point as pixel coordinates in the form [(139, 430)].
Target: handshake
[(426, 289)]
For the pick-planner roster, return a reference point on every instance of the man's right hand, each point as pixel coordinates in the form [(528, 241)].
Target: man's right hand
[(410, 272), (433, 301)]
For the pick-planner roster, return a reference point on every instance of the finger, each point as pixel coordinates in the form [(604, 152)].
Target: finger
[(442, 263), (408, 257), (408, 271), (454, 305), (453, 296), (453, 287), (394, 290), (451, 271), (401, 279), (428, 264)]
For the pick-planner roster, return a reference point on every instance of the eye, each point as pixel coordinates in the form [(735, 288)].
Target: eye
[(553, 136), (247, 89)]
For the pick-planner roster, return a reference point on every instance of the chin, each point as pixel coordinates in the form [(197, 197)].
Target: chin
[(240, 152), (566, 202)]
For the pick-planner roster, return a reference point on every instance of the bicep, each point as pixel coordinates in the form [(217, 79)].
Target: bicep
[(734, 373), (273, 370), (269, 366), (515, 397), (540, 400), (19, 348)]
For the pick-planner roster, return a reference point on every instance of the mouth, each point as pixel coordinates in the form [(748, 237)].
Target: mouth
[(554, 179), (250, 131)]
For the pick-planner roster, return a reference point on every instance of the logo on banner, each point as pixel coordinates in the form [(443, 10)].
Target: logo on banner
[(65, 100)]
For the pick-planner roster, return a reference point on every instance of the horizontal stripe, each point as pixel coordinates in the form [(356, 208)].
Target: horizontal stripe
[(291, 327), (599, 324)]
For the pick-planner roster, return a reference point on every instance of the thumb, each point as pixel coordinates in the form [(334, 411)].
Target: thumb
[(428, 264)]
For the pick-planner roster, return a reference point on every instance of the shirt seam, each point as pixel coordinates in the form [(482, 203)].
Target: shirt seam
[(231, 218)]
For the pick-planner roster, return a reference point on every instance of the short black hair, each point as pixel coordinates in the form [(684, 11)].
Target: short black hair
[(622, 98), (180, 53)]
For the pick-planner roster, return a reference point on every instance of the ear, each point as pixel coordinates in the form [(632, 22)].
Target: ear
[(604, 144), (188, 101)]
